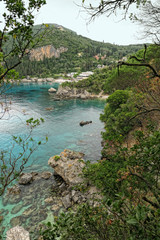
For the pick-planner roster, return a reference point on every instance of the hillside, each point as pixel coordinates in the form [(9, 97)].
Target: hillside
[(128, 174), (62, 50), (110, 79)]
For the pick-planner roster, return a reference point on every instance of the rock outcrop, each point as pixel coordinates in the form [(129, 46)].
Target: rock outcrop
[(17, 233), (27, 178), (70, 93), (68, 165), (46, 51)]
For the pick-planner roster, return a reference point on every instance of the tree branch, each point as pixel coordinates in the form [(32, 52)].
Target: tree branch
[(155, 74)]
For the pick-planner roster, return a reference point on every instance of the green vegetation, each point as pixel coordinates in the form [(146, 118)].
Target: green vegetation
[(56, 158), (94, 83), (82, 54), (123, 77), (120, 108), (128, 173)]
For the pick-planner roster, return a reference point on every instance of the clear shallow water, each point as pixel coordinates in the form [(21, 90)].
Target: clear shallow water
[(61, 123), (61, 126)]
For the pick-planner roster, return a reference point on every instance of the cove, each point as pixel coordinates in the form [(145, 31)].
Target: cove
[(62, 127), (61, 124)]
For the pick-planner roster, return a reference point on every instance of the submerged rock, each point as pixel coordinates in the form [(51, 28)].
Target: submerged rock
[(18, 233), (17, 208), (14, 190), (16, 221), (1, 219)]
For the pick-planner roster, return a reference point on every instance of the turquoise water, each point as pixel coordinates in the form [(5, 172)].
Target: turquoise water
[(62, 128), (61, 123)]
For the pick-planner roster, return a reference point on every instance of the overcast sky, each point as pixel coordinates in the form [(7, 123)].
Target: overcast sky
[(69, 15)]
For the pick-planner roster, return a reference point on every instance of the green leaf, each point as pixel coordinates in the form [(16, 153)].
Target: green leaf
[(132, 221)]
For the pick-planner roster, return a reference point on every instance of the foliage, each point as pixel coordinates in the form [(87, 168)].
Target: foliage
[(94, 83), (129, 181), (126, 76), (110, 7), (128, 178), (149, 18), (120, 108), (17, 36), (56, 158), (83, 54)]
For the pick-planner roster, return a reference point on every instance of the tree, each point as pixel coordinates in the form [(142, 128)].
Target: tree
[(12, 164), (109, 7), (17, 36), (149, 19)]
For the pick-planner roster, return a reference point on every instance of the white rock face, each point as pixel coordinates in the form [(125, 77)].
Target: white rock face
[(17, 233)]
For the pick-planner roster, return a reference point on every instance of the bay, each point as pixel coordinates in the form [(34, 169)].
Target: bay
[(61, 124), (62, 128)]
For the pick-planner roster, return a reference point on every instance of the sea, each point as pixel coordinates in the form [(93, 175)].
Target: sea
[(61, 128)]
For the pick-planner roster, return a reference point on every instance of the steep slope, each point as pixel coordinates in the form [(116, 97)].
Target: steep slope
[(62, 50)]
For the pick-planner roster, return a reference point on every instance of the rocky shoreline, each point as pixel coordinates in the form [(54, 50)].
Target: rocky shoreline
[(76, 93), (65, 92), (45, 80), (51, 192)]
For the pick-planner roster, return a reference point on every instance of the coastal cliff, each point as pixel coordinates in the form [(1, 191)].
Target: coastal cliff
[(48, 51)]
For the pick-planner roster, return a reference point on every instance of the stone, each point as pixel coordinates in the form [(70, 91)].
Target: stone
[(46, 175), (55, 207), (49, 79), (16, 209), (2, 211), (14, 190), (28, 211), (25, 178), (75, 198), (35, 176), (83, 96), (15, 221), (1, 219), (17, 233), (66, 200), (82, 123), (62, 187), (10, 199), (48, 200), (52, 90), (86, 93), (69, 166), (49, 108)]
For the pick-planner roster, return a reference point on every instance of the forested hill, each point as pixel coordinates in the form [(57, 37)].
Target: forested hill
[(62, 50)]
